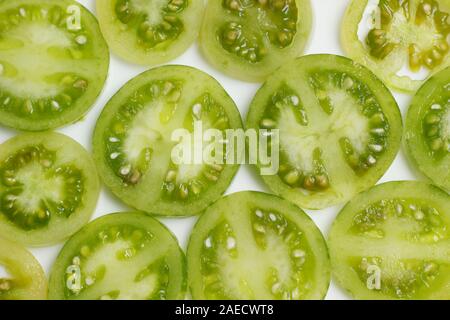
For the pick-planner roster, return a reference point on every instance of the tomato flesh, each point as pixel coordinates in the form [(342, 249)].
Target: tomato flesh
[(392, 243), (50, 71), (252, 245), (339, 129), (26, 279), (120, 256), (133, 141), (150, 32), (249, 39), (403, 35), (48, 188), (427, 133)]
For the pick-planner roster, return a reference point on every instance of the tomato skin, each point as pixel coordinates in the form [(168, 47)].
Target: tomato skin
[(417, 149), (243, 70), (25, 270), (145, 196), (296, 75), (398, 248), (126, 47), (95, 77), (174, 254), (67, 151), (234, 209), (385, 69)]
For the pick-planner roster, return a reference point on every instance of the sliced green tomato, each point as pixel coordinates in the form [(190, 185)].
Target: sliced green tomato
[(427, 134), (249, 39), (25, 279), (392, 242), (134, 146), (48, 188), (252, 245), (150, 32), (404, 40), (120, 256), (339, 129), (53, 63)]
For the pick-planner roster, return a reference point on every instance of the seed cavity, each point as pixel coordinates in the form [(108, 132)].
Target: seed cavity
[(234, 40), (164, 24), (390, 34), (423, 222), (35, 213)]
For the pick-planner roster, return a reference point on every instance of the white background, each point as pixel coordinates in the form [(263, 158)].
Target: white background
[(328, 15)]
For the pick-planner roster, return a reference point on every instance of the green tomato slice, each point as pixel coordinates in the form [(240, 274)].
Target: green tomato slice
[(401, 41), (25, 278), (427, 135), (249, 39), (392, 242), (48, 188), (252, 245), (150, 32), (120, 256), (133, 145), (339, 129), (53, 63)]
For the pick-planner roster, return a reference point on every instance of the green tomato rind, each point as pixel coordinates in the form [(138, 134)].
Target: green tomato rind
[(126, 44), (417, 149), (67, 152), (146, 195), (173, 254), (348, 183), (236, 210), (346, 245), (241, 69), (95, 71), (387, 70), (27, 277)]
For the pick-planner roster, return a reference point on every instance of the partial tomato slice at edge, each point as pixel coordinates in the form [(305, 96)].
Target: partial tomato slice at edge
[(389, 56), (427, 130), (26, 279), (392, 242), (126, 255)]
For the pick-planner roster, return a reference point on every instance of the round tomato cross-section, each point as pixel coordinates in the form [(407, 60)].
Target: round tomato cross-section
[(53, 63), (339, 129), (134, 141)]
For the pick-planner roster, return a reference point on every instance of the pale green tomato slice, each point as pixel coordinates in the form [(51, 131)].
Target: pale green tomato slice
[(402, 41), (252, 245), (392, 242)]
